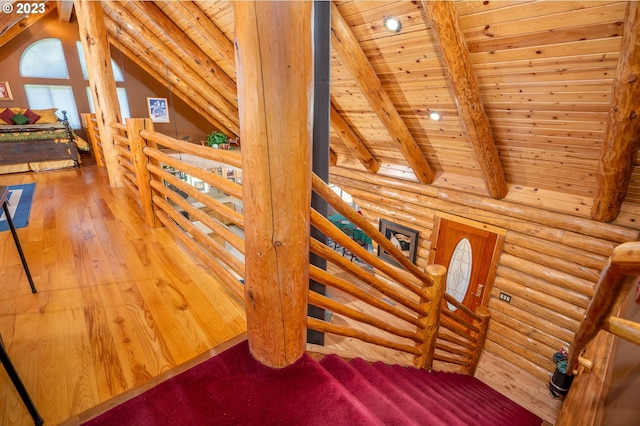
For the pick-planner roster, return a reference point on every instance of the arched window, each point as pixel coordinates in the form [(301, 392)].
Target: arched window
[(44, 59)]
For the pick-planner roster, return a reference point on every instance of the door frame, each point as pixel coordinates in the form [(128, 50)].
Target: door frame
[(497, 251)]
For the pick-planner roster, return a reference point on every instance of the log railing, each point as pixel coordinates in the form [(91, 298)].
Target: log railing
[(93, 134), (416, 317), (617, 278), (585, 400), (396, 308)]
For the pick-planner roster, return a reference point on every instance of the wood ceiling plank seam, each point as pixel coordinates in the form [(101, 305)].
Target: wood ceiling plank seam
[(510, 75), (557, 107), (457, 61), (536, 27), (474, 8), (586, 125), (479, 43), (533, 10), (346, 45), (577, 63), (592, 97), (574, 49)]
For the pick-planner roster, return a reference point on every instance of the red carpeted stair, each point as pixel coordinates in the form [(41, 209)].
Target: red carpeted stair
[(234, 389)]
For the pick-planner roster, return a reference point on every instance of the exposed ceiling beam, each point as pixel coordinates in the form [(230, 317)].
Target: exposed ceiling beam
[(348, 49), (191, 53), (65, 9), (184, 92), (207, 29), (457, 61), (223, 111), (353, 141), (12, 24), (622, 135)]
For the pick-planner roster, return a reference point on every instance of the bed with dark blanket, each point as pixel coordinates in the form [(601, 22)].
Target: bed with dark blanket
[(41, 143)]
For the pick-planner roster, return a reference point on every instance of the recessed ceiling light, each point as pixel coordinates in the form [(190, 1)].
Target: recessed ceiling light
[(392, 23), (435, 116)]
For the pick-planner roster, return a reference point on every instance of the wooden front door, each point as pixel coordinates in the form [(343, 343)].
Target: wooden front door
[(468, 252)]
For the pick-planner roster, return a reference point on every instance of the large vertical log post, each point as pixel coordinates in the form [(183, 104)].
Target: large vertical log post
[(274, 58), (95, 44)]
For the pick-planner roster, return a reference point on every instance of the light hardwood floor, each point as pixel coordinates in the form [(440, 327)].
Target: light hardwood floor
[(117, 304)]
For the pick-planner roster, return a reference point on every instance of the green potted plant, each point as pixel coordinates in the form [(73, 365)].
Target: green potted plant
[(216, 138), (560, 381)]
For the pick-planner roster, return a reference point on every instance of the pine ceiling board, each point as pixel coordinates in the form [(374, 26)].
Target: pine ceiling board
[(548, 168), (470, 7), (531, 140), (550, 97), (583, 64), (568, 116), (590, 147), (552, 176), (190, 29), (532, 87), (362, 12), (604, 30), (549, 106), (430, 82), (221, 13), (572, 50), (573, 159), (528, 10), (526, 24), (537, 123)]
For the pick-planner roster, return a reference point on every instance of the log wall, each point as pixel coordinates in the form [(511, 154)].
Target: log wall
[(549, 264)]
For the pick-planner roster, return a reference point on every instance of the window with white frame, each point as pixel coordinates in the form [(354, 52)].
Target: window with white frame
[(45, 59), (42, 96)]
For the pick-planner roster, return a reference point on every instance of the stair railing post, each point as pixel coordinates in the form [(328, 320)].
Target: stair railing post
[(483, 325), (274, 44), (437, 273), (143, 177)]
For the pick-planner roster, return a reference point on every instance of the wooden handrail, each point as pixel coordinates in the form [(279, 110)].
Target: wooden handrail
[(319, 325), (618, 276), (336, 202)]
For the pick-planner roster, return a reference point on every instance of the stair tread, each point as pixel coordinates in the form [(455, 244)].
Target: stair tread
[(379, 404)]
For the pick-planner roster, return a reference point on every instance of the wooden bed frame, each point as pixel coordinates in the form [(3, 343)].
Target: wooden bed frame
[(17, 152)]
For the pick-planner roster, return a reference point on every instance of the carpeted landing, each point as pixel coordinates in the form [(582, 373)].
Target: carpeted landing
[(234, 389)]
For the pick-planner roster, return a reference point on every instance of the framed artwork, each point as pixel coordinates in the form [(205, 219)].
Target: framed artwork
[(404, 238), (5, 91), (158, 110)]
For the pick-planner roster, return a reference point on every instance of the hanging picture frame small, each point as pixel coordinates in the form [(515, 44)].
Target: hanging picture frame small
[(158, 110), (403, 237), (5, 91)]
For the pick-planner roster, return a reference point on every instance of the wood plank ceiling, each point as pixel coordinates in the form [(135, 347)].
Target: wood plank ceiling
[(536, 96)]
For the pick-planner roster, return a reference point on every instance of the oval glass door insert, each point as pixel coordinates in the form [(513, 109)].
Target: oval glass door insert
[(459, 271)]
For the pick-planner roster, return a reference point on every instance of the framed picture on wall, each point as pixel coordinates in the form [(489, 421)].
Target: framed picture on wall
[(5, 91), (158, 110), (404, 238)]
